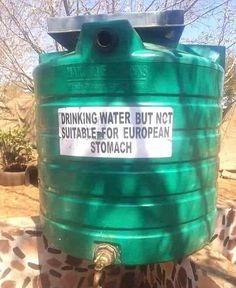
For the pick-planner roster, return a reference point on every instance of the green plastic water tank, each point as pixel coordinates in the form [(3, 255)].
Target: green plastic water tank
[(128, 140)]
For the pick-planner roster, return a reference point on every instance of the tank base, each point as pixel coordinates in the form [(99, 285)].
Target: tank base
[(135, 247)]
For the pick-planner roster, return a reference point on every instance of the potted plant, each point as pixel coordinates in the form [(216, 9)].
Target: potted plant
[(15, 151)]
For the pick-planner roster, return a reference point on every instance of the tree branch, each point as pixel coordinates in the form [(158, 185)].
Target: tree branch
[(205, 13), (66, 7), (191, 6)]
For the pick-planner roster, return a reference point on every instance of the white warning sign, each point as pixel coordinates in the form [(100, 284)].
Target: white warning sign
[(116, 132)]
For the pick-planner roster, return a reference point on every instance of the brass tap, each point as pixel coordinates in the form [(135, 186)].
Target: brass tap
[(105, 255)]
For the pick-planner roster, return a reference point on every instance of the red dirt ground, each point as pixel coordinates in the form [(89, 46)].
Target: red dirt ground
[(19, 201)]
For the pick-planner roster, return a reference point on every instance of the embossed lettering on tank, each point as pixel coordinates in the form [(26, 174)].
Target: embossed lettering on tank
[(115, 71)]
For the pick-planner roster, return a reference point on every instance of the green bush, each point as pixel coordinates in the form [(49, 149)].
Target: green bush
[(15, 150)]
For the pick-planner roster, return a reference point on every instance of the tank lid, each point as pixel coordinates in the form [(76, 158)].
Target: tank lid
[(65, 30)]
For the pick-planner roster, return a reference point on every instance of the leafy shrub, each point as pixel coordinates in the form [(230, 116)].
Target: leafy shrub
[(15, 149)]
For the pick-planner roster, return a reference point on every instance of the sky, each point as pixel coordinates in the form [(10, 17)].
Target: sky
[(212, 24)]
